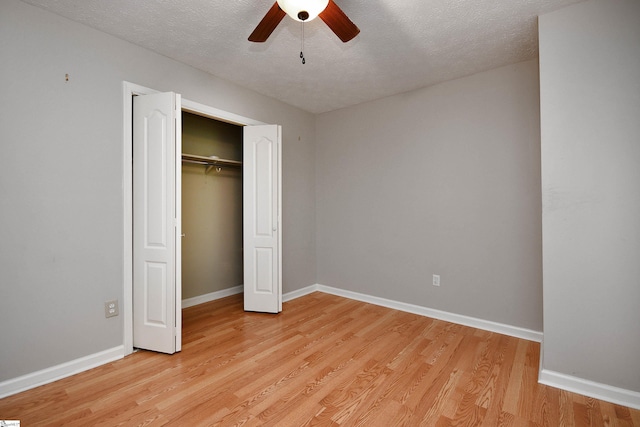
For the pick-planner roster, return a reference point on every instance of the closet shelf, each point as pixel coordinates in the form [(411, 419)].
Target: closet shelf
[(209, 161)]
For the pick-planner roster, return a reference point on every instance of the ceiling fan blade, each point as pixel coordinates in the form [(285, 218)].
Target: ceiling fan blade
[(268, 24), (339, 23)]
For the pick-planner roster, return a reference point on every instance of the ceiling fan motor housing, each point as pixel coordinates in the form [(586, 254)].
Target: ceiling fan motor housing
[(303, 10), (303, 15)]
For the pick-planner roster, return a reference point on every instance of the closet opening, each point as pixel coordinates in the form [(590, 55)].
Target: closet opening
[(212, 209), (248, 262)]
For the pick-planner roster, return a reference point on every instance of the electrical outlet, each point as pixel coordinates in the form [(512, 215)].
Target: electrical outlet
[(111, 308), (436, 280)]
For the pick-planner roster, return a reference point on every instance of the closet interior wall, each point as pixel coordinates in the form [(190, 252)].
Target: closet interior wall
[(211, 208)]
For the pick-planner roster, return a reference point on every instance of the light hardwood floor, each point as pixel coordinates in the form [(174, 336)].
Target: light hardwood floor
[(324, 360)]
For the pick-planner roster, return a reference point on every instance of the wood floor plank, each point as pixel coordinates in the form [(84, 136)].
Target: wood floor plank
[(513, 392), (323, 361)]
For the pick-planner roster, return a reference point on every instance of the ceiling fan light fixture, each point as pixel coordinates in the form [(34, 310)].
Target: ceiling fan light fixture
[(303, 10)]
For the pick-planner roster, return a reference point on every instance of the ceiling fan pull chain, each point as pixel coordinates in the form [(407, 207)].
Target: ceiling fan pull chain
[(302, 46)]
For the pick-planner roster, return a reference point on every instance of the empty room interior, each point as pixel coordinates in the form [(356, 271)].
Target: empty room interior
[(453, 208)]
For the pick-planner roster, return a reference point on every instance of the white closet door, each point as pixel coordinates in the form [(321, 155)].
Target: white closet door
[(156, 222), (262, 223)]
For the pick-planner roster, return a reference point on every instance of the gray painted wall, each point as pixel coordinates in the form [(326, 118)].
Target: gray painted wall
[(590, 104), (61, 207), (443, 180)]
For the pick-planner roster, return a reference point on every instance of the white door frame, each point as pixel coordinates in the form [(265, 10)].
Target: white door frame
[(128, 91)]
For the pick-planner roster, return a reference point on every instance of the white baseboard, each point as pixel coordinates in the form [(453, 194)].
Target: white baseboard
[(201, 299), (554, 379), (486, 325), (299, 293), (600, 391), (589, 388), (54, 373)]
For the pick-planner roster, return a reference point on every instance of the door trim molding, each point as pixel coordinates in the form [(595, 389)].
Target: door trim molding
[(128, 91)]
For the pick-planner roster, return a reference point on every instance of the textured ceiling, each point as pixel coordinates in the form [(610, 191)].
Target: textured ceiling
[(403, 44)]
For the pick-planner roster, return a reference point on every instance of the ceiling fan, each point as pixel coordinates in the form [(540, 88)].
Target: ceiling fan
[(304, 11)]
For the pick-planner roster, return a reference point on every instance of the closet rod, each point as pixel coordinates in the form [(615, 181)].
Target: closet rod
[(202, 160)]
